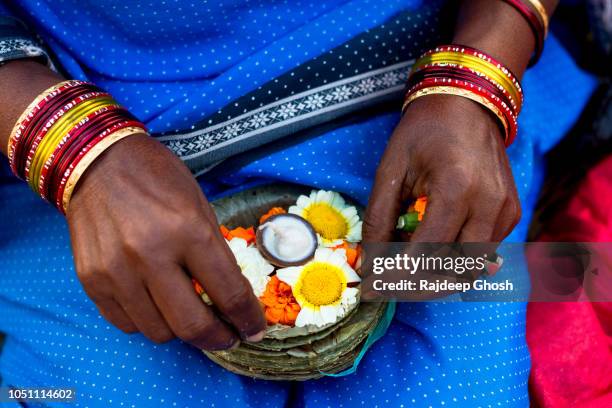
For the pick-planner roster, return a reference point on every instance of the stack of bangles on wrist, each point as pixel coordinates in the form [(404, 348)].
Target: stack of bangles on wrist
[(469, 73), (61, 133)]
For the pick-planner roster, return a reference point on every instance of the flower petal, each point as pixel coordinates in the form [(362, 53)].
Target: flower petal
[(317, 318), (258, 283), (349, 296), (322, 197), (337, 201), (267, 268), (350, 274), (303, 201), (237, 244), (338, 258), (354, 234), (349, 212), (330, 313), (289, 275), (329, 243), (305, 317), (323, 254)]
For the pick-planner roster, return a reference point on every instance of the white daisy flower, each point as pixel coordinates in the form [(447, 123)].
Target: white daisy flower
[(320, 287), (332, 219), (253, 266)]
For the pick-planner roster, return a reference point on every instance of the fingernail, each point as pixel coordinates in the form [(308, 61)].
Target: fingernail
[(256, 337)]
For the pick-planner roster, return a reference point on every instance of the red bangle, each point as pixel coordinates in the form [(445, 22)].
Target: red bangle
[(41, 120), (483, 56), (18, 141), (61, 133), (510, 118), (63, 145), (24, 120), (536, 25), (80, 138), (463, 73), (39, 134), (83, 152), (468, 73)]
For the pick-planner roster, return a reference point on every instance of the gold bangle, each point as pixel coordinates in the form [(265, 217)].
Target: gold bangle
[(57, 131), (59, 140), (476, 64), (541, 11), (478, 73), (482, 59), (473, 62), (92, 155), (44, 94), (450, 90)]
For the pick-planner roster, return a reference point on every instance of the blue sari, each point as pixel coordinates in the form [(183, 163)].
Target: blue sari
[(250, 92)]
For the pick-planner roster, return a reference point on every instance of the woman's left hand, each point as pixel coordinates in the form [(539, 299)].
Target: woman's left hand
[(449, 149)]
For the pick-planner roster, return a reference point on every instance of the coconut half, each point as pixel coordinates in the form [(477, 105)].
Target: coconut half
[(286, 240)]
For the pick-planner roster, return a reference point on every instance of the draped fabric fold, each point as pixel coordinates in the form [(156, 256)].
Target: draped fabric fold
[(364, 72), (285, 91)]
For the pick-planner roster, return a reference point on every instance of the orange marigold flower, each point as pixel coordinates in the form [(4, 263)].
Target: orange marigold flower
[(225, 232), (273, 211), (248, 234), (352, 252), (279, 304), (419, 207)]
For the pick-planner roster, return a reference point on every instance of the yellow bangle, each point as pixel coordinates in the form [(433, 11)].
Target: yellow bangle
[(59, 141), (57, 131), (476, 64), (541, 11), (450, 90), (45, 144), (44, 94), (92, 155)]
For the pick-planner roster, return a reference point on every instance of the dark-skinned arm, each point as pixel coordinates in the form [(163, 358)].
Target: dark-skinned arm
[(450, 149), (140, 227)]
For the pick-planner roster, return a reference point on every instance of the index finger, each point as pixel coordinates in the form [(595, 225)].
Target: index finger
[(214, 266), (384, 206), (189, 318), (446, 213)]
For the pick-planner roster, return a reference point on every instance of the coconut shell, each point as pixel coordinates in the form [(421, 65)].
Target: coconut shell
[(281, 263), (292, 353)]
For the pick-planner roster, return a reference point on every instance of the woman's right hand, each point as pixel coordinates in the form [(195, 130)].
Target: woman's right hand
[(140, 227)]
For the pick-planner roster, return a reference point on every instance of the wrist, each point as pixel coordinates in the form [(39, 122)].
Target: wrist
[(495, 28), (111, 164), (511, 31), (61, 133), (21, 81), (469, 73), (461, 113)]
